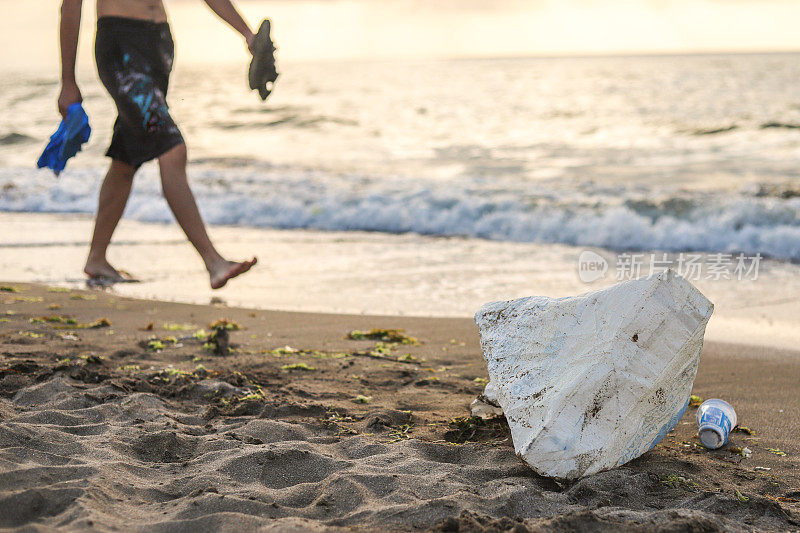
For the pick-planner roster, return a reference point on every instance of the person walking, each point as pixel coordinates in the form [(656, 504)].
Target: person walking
[(134, 51)]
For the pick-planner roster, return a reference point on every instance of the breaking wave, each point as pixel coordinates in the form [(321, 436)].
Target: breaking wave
[(511, 211)]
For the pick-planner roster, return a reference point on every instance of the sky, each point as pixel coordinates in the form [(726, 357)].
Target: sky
[(308, 30)]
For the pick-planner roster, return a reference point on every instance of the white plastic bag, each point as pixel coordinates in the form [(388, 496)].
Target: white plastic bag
[(591, 382)]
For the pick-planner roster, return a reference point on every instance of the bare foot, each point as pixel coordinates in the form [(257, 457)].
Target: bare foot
[(226, 270), (103, 273)]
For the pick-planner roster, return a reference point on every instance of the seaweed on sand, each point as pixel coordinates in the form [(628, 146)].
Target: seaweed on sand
[(386, 335), (475, 429)]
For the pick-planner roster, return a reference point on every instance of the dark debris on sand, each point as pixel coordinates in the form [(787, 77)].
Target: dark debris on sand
[(147, 424)]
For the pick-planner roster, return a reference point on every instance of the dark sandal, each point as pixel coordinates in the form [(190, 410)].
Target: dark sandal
[(262, 73)]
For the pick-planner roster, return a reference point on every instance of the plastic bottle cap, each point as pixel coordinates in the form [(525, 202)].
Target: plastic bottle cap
[(710, 437)]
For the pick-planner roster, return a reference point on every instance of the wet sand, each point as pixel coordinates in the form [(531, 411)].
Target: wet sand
[(381, 274), (134, 423)]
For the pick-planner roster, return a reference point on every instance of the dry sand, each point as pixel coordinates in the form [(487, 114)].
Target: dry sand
[(102, 428)]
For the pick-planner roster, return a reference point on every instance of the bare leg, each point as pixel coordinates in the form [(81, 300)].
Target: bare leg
[(113, 196), (181, 200)]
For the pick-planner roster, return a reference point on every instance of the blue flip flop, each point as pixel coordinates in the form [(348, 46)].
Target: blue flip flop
[(67, 141)]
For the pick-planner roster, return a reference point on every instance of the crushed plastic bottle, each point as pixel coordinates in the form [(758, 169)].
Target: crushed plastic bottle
[(716, 419)]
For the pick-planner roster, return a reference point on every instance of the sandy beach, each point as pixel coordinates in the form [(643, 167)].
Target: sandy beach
[(415, 161), (116, 413)]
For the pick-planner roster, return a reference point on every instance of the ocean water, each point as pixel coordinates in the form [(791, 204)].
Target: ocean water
[(674, 153)]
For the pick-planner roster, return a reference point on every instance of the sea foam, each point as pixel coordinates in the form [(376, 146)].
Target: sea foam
[(506, 211)]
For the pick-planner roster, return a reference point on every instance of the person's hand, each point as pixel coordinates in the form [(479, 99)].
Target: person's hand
[(69, 95)]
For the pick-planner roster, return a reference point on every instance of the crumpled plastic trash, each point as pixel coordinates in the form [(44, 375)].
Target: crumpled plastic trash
[(67, 141), (590, 382), (485, 405)]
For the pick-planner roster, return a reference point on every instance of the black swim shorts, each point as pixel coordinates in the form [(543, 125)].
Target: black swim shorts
[(134, 60)]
